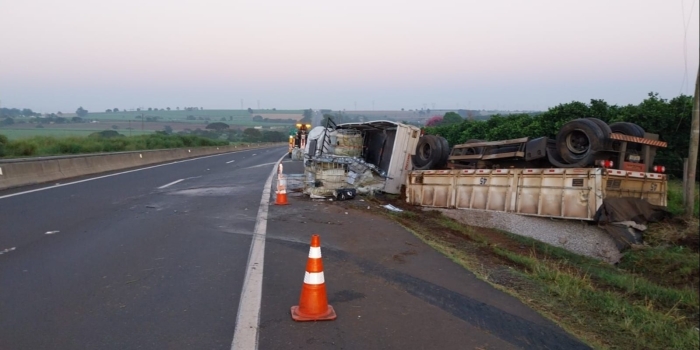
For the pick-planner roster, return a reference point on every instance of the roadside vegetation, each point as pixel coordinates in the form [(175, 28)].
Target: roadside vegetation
[(649, 300), (106, 141), (670, 119), (263, 124)]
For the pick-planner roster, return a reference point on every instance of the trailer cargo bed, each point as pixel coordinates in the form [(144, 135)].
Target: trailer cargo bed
[(573, 193)]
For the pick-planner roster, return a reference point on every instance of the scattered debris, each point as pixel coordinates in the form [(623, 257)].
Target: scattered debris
[(51, 232), (392, 208)]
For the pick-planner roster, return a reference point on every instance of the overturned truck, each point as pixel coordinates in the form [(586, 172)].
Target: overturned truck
[(567, 177)]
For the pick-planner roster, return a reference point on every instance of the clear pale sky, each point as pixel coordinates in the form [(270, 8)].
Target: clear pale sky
[(507, 54)]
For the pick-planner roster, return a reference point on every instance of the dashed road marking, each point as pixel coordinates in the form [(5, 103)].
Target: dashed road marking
[(172, 183), (115, 174)]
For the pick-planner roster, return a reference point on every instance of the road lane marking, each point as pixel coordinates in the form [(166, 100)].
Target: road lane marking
[(170, 184), (245, 337), (7, 250), (230, 161), (110, 175)]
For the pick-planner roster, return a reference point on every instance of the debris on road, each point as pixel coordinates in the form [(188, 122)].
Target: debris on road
[(391, 207), (51, 232)]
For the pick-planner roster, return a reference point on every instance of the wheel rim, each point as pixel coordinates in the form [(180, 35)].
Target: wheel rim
[(426, 151), (577, 142)]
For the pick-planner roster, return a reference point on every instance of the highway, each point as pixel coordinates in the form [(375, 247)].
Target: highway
[(159, 258)]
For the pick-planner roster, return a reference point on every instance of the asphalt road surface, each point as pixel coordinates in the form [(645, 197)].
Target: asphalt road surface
[(159, 259)]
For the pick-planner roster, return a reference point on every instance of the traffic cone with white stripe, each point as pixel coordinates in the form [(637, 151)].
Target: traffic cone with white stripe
[(281, 193), (313, 303)]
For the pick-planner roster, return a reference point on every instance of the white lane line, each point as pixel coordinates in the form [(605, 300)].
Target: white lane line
[(110, 175), (245, 337), (230, 161), (170, 184), (7, 250), (259, 165)]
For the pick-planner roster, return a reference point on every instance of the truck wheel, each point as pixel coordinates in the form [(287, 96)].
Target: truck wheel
[(602, 125), (626, 128), (445, 151), (606, 130), (579, 140), (428, 153), (474, 150), (422, 153)]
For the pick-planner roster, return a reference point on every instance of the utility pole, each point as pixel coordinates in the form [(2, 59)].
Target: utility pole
[(693, 151)]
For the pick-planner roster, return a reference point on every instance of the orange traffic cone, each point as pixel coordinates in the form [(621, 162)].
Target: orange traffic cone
[(313, 303), (281, 193)]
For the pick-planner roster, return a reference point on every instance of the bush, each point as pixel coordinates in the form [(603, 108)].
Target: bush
[(3, 143)]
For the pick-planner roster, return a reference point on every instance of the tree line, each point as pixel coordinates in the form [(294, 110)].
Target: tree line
[(670, 119)]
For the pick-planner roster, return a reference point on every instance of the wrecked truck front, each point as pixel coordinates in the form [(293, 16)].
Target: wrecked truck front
[(369, 157)]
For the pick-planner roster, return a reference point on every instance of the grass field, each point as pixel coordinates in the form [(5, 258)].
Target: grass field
[(233, 116), (177, 120), (14, 134)]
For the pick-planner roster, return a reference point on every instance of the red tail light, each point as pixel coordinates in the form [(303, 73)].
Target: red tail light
[(605, 163), (659, 169)]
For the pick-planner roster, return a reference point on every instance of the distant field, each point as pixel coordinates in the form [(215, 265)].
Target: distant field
[(233, 116), (177, 120), (14, 134)]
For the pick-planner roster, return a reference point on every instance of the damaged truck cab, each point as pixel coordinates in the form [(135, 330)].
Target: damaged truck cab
[(367, 157)]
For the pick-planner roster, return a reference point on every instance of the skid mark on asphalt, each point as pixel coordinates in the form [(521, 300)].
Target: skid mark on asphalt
[(506, 326)]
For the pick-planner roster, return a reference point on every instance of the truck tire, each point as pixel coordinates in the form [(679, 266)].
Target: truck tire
[(579, 140), (629, 129), (603, 126), (474, 150), (422, 153), (445, 151), (428, 153), (606, 130)]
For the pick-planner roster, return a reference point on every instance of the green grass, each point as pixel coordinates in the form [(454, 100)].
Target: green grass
[(675, 198), (47, 146), (629, 314), (14, 134)]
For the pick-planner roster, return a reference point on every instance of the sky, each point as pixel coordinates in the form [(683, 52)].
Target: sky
[(360, 54)]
